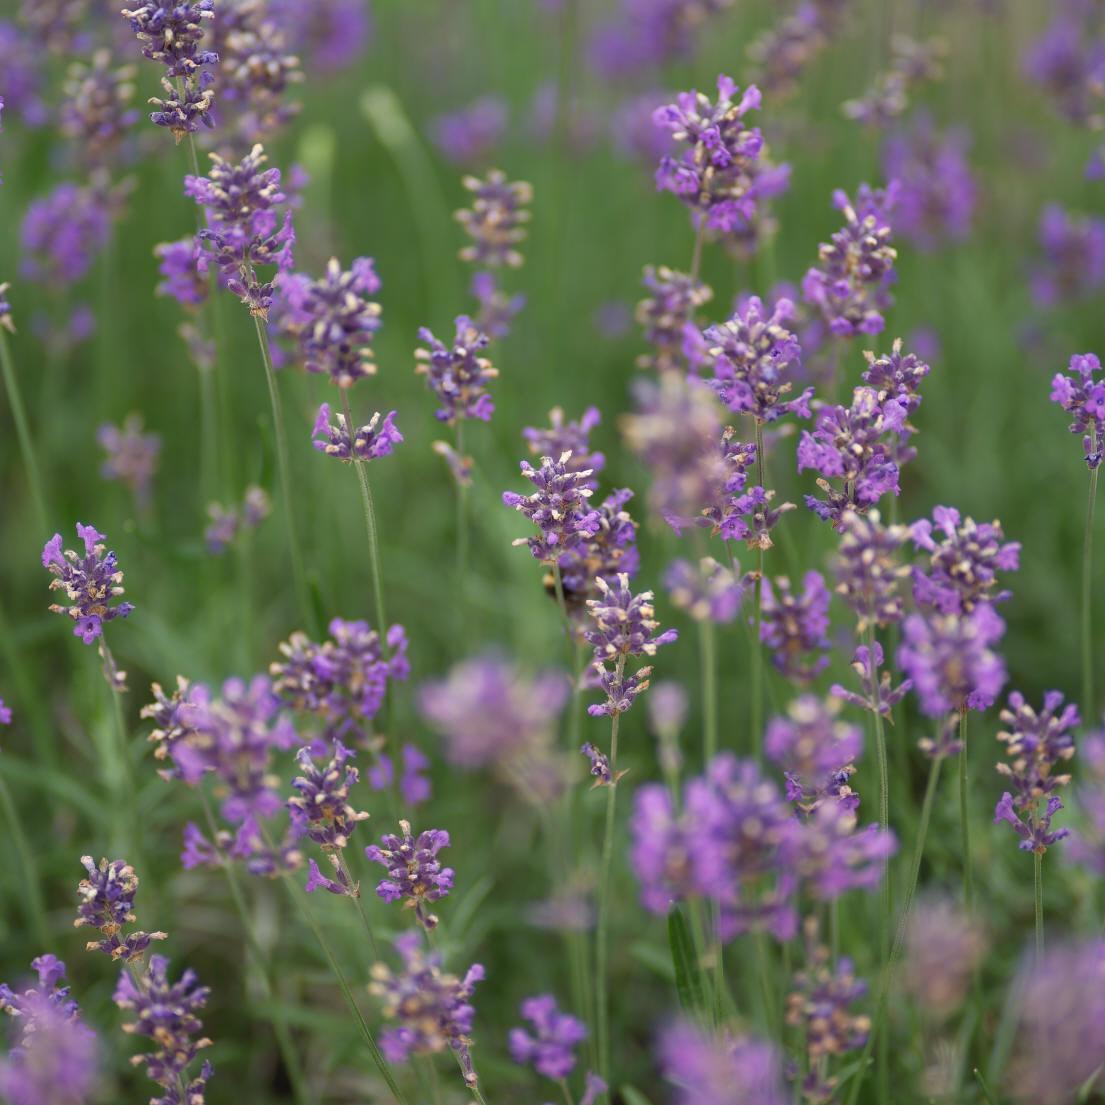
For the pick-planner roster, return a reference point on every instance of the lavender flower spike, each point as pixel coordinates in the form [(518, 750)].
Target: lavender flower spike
[(92, 583), (496, 221), (457, 374), (550, 1049), (414, 872), (795, 626), (712, 1070), (372, 441), (868, 570), (1082, 395), (560, 507), (878, 698), (107, 904)]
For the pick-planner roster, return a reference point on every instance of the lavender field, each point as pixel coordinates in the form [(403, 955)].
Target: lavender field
[(550, 552)]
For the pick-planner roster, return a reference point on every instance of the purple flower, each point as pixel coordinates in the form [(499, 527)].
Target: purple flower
[(1059, 1003), (663, 850), (5, 713), (752, 355), (1073, 263), (720, 1070), (944, 945), (834, 855), (434, 1009), (469, 135), (457, 374), (95, 112), (1083, 397), (633, 131), (817, 753), (167, 1013), (64, 231), (782, 54), (950, 660), (92, 583), (707, 591), (496, 221), (568, 437), (963, 563), (559, 507), (1066, 61), (888, 97), (624, 625), (795, 627), (131, 457), (936, 191), (857, 446), (610, 550), (600, 766), (850, 285), (868, 570), (1087, 846), (183, 266), (6, 310), (550, 1049), (897, 377), (344, 679), (415, 874), (667, 317), (226, 524), (106, 902), (497, 309), (246, 229), (878, 694), (331, 36), (372, 441)]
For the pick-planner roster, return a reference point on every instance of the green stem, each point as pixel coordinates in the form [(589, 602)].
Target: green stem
[(696, 256), (120, 776), (983, 1088), (964, 821), (462, 516), (1088, 699), (602, 1017), (1038, 898), (757, 643), (277, 1017), (899, 938), (23, 432), (298, 576), (31, 895), (709, 686)]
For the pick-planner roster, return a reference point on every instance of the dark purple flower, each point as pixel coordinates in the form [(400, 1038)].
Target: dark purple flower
[(600, 766), (753, 354), (131, 456), (550, 1049), (415, 874), (183, 266), (434, 1009), (896, 376), (246, 228), (1073, 263), (457, 374), (469, 135), (878, 694), (856, 446), (559, 507), (667, 317), (868, 570), (951, 662), (568, 437), (1033, 826), (92, 583), (167, 1013), (963, 562), (1083, 397), (106, 902), (795, 626), (372, 441), (817, 752), (708, 591), (496, 221), (624, 625), (709, 1069), (850, 285)]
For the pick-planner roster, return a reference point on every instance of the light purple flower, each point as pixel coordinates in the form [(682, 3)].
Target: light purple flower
[(550, 1048)]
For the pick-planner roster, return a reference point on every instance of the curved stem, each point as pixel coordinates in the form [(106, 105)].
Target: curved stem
[(1088, 700), (23, 432), (298, 576), (964, 821)]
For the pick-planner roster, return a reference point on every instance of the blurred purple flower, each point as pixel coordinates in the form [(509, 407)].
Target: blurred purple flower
[(707, 1069), (496, 221), (470, 135), (795, 626), (1072, 266), (550, 1049), (132, 457)]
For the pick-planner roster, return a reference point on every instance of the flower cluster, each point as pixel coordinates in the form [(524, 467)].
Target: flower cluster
[(666, 315), (783, 53), (132, 457), (1036, 744), (559, 507), (708, 591), (434, 1009), (457, 374), (1073, 263), (92, 583), (879, 696), (245, 229), (496, 221), (795, 626), (1082, 395), (96, 112), (897, 376), (227, 524), (624, 625), (610, 550), (497, 308), (172, 33), (944, 945), (849, 287), (321, 807), (470, 135), (106, 903), (376, 439), (550, 1048), (868, 570), (911, 63), (963, 563), (415, 874), (1065, 61), (706, 1068), (567, 436), (1087, 845)]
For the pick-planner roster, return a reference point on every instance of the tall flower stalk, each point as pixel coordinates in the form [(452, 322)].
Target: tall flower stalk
[(19, 417)]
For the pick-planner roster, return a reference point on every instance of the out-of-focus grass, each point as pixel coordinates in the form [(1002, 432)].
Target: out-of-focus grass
[(990, 443)]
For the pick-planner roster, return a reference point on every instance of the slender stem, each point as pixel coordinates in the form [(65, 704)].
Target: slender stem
[(278, 1017), (32, 891), (462, 515), (757, 709), (121, 777), (983, 1088), (696, 257), (602, 1018), (294, 892), (298, 576), (361, 912), (1088, 700), (964, 821), (899, 938), (23, 432), (566, 1092), (709, 687), (1038, 898)]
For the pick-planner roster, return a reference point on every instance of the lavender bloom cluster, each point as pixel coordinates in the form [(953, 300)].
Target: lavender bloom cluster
[(375, 439), (415, 874), (1082, 395), (795, 626), (739, 1070), (457, 374), (92, 583), (911, 63), (559, 507), (666, 315), (132, 457), (1072, 265), (227, 525)]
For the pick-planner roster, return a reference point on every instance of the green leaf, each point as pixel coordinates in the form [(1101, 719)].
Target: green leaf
[(684, 958), (633, 1096)]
